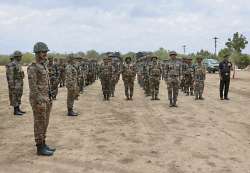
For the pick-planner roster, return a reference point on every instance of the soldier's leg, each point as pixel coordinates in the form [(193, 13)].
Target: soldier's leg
[(227, 83), (157, 84), (16, 101), (10, 96), (191, 85), (126, 89), (70, 102), (170, 92), (201, 89), (175, 92), (131, 89), (152, 87)]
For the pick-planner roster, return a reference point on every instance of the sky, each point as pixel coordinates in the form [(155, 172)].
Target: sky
[(121, 25)]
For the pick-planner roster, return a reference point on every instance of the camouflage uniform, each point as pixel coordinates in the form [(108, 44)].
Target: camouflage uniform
[(8, 77), (15, 79), (54, 77), (71, 85), (199, 80), (184, 67), (155, 77), (40, 98), (146, 81), (105, 77), (172, 77), (128, 77), (188, 78), (62, 76)]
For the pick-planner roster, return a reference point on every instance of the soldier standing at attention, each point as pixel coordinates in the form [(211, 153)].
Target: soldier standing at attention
[(105, 77), (199, 78), (188, 78), (54, 76), (40, 97), (71, 85), (128, 77), (172, 77), (8, 77), (155, 77), (225, 72), (15, 79)]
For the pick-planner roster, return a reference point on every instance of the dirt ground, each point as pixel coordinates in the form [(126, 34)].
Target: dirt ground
[(140, 136)]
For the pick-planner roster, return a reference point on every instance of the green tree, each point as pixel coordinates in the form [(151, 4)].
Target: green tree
[(161, 53), (92, 54), (223, 52), (236, 45)]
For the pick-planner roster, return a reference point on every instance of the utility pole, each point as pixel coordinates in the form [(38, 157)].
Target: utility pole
[(184, 48), (215, 46)]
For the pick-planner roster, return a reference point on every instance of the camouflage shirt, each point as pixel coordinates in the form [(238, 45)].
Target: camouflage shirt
[(15, 74), (71, 77), (39, 83)]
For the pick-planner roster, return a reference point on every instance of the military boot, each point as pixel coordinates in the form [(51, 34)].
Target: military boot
[(187, 93), (191, 93), (153, 96), (201, 98), (71, 112), (170, 103), (174, 103), (16, 111), (23, 112), (43, 151), (156, 97), (131, 97), (48, 147)]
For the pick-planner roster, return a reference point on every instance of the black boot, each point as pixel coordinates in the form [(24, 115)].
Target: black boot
[(153, 96), (16, 111), (49, 148), (43, 151), (174, 103), (156, 97), (71, 112), (170, 103), (23, 112)]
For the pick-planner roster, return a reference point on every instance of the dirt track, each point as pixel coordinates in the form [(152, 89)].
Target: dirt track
[(139, 136)]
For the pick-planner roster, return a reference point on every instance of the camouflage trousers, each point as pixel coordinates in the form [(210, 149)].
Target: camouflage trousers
[(17, 96), (54, 87), (173, 88), (182, 84), (10, 95), (154, 86), (129, 87), (41, 114), (147, 87), (112, 86), (62, 79), (72, 95), (81, 84), (106, 87), (188, 85), (198, 88)]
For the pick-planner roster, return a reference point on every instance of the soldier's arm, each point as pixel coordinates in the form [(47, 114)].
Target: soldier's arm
[(32, 79), (12, 76)]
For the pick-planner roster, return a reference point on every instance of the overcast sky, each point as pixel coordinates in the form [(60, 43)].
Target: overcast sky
[(121, 25)]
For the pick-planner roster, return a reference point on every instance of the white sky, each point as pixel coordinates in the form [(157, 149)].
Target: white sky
[(125, 25)]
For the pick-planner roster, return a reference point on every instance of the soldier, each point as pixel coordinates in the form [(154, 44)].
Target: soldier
[(146, 79), (15, 80), (40, 97), (188, 78), (155, 77), (105, 77), (128, 77), (62, 67), (54, 76), (199, 78), (71, 85), (184, 68), (172, 77), (8, 77), (225, 72)]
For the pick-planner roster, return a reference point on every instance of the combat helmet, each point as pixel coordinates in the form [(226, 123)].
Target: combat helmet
[(154, 57), (128, 57), (40, 47), (17, 53), (172, 53)]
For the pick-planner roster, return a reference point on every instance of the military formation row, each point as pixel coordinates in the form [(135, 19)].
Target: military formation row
[(45, 75)]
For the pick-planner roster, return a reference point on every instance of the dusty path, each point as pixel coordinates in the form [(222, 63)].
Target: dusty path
[(137, 136)]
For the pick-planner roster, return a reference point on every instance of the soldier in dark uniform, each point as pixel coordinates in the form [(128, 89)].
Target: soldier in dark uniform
[(224, 71)]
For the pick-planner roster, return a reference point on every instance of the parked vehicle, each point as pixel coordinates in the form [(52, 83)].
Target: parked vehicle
[(212, 65)]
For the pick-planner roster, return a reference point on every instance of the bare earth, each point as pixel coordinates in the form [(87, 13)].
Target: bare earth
[(139, 136)]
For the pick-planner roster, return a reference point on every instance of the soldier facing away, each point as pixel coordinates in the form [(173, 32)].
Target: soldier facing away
[(105, 77), (40, 97), (15, 78), (71, 85), (155, 77), (188, 78), (128, 77), (172, 77), (8, 77), (199, 79)]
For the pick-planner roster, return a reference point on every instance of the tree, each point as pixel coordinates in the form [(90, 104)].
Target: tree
[(236, 45), (205, 54), (92, 54), (161, 53), (223, 52)]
